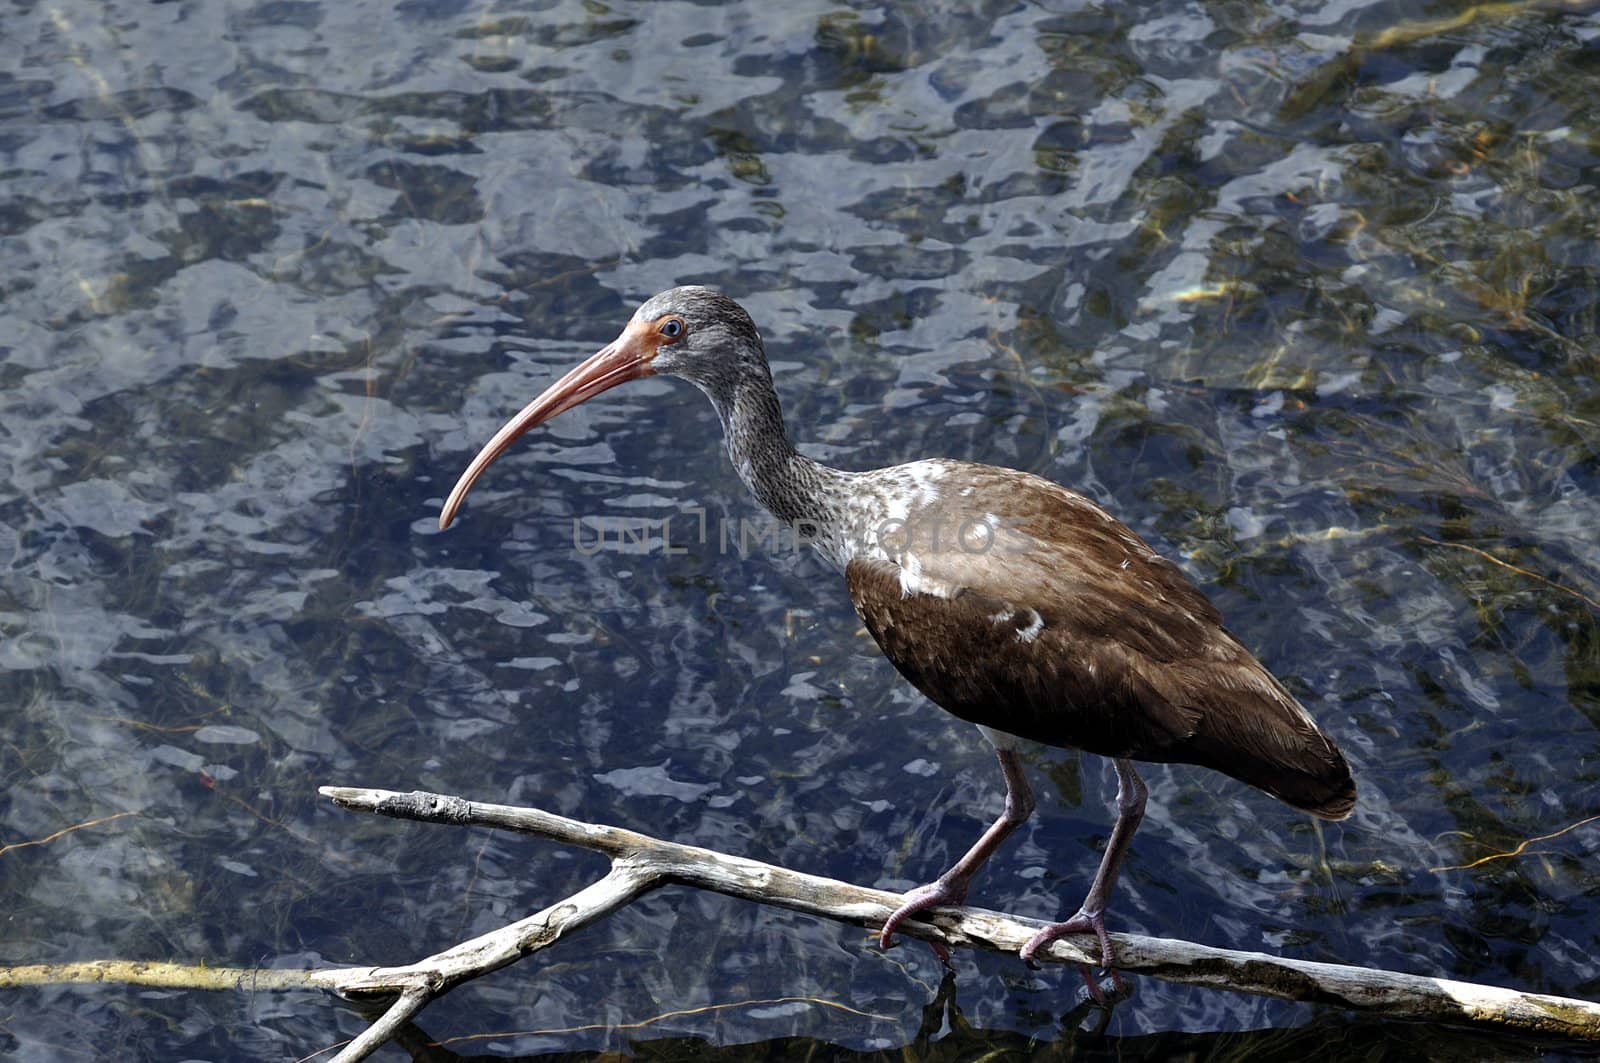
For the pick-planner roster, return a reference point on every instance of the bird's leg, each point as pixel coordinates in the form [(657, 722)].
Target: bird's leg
[(951, 887), (1091, 918)]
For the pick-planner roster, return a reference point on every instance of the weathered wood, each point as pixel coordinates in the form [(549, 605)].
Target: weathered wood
[(445, 970), (172, 975), (640, 863), (382, 1031), (1392, 993)]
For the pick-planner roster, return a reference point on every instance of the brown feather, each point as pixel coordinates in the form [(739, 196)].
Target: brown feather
[(1068, 629)]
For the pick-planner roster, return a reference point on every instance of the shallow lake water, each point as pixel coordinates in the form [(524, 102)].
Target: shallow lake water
[(1307, 293)]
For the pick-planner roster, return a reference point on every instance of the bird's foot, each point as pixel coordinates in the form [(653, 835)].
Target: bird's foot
[(1084, 922), (918, 901)]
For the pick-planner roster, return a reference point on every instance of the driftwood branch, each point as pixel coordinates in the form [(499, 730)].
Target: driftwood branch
[(173, 976), (380, 1033), (641, 863)]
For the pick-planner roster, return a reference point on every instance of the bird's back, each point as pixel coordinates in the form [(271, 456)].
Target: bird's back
[(1022, 606)]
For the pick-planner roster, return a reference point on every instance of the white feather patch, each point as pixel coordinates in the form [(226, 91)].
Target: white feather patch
[(912, 581), (910, 575)]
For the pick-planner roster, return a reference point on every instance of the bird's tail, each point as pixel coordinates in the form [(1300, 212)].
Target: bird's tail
[(1318, 782), (1258, 733), (1311, 773)]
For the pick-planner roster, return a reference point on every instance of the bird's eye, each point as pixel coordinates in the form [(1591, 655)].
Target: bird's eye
[(672, 328)]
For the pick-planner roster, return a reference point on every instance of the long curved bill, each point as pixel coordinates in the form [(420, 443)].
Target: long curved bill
[(626, 358)]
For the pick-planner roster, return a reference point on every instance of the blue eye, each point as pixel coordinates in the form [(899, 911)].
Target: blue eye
[(672, 328)]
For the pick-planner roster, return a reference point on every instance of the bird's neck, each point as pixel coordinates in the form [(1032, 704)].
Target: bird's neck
[(791, 486)]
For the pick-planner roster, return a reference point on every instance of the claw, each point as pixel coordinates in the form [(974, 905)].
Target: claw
[(918, 901), (1082, 923)]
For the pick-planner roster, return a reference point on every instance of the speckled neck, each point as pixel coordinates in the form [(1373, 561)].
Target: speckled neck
[(789, 485)]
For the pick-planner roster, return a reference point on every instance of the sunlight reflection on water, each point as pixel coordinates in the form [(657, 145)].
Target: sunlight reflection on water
[(1312, 308)]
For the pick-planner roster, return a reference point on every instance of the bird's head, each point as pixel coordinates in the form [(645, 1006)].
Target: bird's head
[(695, 333), (701, 335)]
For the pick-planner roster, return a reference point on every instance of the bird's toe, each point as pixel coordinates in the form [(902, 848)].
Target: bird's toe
[(1082, 923), (918, 901)]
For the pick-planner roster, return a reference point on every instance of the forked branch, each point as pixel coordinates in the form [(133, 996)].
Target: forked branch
[(641, 863)]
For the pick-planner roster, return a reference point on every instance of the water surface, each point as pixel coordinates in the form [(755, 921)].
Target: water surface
[(1306, 293)]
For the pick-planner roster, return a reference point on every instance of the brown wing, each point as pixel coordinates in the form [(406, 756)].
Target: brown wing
[(967, 654), (1077, 634)]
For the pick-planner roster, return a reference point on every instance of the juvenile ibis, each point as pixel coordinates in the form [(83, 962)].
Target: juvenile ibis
[(1008, 600)]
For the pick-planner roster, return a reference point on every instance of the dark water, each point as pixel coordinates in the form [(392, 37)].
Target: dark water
[(1306, 292)]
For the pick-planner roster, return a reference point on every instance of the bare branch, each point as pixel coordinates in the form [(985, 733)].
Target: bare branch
[(380, 1033), (490, 952), (172, 975), (1392, 993), (640, 863)]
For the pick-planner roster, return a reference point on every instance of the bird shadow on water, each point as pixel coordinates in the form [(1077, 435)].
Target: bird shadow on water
[(946, 1034)]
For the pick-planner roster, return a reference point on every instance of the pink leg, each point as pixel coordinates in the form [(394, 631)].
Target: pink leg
[(1091, 917), (951, 887)]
